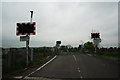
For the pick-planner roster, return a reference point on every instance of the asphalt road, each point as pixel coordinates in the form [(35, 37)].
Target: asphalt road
[(78, 66)]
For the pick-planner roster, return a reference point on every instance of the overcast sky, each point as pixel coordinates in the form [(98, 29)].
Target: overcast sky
[(69, 22)]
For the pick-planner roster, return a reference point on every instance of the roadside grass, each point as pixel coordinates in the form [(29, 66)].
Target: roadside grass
[(21, 65), (110, 55), (14, 60), (106, 53), (2, 52), (36, 61)]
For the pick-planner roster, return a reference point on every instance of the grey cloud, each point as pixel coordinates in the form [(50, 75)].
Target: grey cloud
[(69, 22)]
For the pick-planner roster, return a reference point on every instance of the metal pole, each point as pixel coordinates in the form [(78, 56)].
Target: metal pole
[(31, 55), (27, 46), (31, 16), (82, 46), (95, 49), (27, 42)]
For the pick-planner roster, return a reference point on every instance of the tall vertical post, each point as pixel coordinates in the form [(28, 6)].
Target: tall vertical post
[(31, 16), (95, 48), (27, 43), (27, 49), (82, 45), (31, 54)]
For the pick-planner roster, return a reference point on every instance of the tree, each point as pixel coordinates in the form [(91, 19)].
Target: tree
[(89, 46), (64, 48)]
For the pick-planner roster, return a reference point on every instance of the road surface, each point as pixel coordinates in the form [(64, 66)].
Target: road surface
[(76, 66)]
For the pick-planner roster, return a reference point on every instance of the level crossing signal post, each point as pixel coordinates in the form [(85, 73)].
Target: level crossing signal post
[(96, 40), (57, 47), (27, 29)]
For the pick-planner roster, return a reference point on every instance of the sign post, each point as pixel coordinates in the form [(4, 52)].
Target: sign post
[(26, 29), (31, 54), (27, 42), (24, 38), (57, 47), (96, 40), (27, 49)]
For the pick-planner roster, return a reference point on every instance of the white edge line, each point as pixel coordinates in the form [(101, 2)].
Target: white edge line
[(41, 66), (18, 77)]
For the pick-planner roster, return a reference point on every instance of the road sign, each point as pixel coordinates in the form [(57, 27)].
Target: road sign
[(95, 35), (96, 41), (24, 38), (26, 28), (58, 42)]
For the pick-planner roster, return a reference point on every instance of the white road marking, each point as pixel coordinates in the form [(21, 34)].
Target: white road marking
[(81, 77), (18, 77), (33, 78), (89, 54), (41, 66), (75, 58), (78, 69), (40, 78)]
